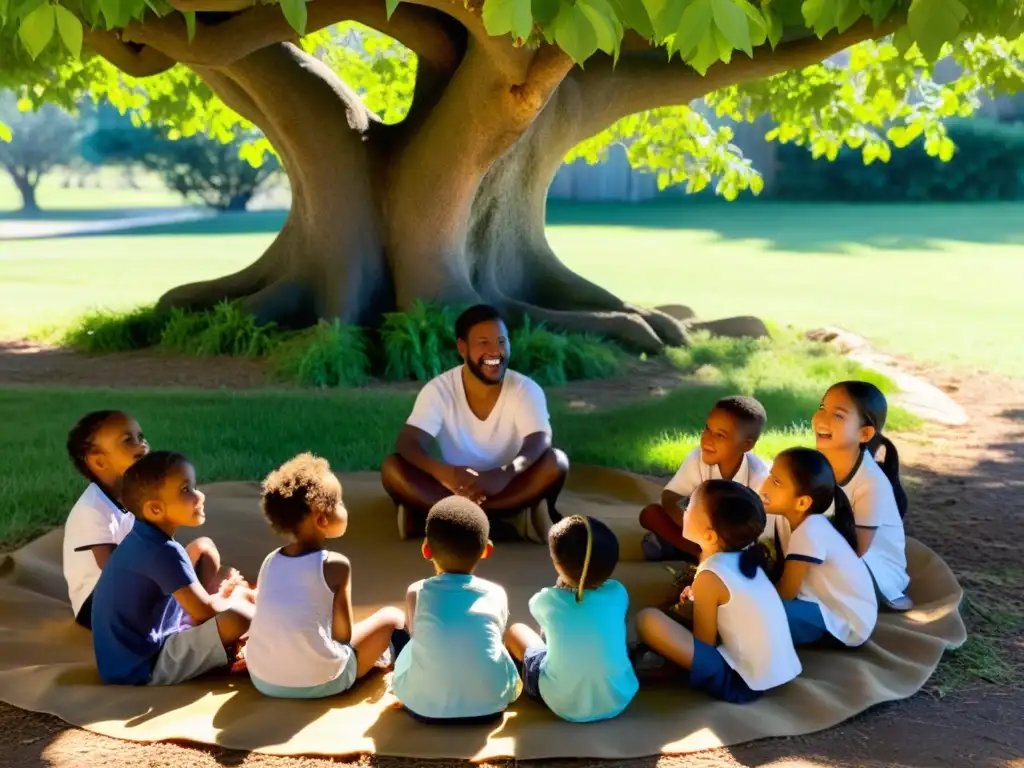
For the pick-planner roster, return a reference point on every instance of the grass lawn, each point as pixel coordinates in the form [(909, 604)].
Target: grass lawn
[(938, 282)]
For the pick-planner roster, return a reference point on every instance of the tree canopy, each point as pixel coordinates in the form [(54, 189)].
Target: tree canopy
[(456, 113)]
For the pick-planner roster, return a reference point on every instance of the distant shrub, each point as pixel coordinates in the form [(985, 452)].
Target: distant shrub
[(223, 330), (330, 354), (988, 165), (105, 331), (553, 359), (419, 344)]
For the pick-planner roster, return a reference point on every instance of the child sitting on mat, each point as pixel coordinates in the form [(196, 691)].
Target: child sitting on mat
[(825, 588), (725, 452), (456, 669), (101, 446), (732, 599), (848, 431), (148, 591), (583, 673), (304, 642)]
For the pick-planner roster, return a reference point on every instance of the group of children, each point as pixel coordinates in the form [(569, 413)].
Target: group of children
[(161, 613)]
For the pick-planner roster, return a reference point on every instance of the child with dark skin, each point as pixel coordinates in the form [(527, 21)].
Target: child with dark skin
[(733, 428), (305, 642), (149, 589)]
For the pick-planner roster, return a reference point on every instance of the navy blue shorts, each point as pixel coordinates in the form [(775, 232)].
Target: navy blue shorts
[(532, 661), (712, 674), (806, 624)]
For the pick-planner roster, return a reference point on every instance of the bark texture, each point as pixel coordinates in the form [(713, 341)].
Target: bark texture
[(448, 205)]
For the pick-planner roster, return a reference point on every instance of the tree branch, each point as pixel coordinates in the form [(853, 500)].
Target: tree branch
[(136, 62), (260, 26), (644, 81)]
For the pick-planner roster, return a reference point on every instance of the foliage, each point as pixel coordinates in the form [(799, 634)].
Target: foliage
[(40, 139), (223, 330), (103, 331), (419, 344), (554, 359), (988, 165), (329, 354), (197, 167)]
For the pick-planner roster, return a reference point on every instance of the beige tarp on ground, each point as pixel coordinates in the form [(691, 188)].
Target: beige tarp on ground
[(46, 661)]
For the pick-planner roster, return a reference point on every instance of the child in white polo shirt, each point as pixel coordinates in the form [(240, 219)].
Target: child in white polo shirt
[(825, 588), (848, 431), (456, 669), (732, 599), (101, 446)]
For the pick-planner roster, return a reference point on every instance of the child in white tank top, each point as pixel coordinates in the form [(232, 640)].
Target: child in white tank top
[(303, 642), (733, 599)]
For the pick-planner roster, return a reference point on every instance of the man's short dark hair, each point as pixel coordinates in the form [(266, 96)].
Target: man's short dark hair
[(748, 411), (479, 313), (568, 544), (457, 533), (144, 479), (295, 489)]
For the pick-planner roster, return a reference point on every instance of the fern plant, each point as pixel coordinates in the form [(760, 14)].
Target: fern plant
[(330, 354), (419, 344)]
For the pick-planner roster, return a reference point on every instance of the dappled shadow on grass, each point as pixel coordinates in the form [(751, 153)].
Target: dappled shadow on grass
[(826, 228)]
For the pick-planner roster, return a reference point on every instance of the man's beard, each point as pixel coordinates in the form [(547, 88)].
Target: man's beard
[(477, 369)]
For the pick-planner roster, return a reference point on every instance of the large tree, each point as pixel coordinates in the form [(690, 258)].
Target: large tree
[(448, 202)]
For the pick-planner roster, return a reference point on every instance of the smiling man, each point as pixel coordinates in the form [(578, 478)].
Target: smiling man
[(492, 430)]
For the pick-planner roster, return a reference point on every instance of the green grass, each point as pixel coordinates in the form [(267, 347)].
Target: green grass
[(57, 202), (938, 282), (243, 435)]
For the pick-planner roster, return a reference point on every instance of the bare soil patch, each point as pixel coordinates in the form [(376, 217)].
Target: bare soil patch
[(967, 502)]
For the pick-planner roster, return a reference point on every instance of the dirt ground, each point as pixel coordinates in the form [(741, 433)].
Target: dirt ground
[(967, 502)]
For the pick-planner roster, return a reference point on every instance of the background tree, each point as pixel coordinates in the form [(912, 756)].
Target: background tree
[(38, 141), (198, 167), (447, 202)]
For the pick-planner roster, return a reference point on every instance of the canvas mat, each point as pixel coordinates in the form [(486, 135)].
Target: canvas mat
[(46, 660)]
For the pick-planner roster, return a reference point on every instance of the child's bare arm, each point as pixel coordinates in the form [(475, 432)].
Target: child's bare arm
[(670, 501), (864, 538), (202, 606), (102, 552), (338, 575), (709, 592), (793, 574), (411, 595)]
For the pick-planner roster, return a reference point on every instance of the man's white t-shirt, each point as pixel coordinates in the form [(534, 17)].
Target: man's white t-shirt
[(838, 581), (442, 411), (752, 473), (94, 519), (874, 506)]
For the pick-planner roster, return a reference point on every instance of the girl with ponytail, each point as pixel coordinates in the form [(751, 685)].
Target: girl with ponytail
[(732, 598), (825, 588), (578, 666), (848, 431)]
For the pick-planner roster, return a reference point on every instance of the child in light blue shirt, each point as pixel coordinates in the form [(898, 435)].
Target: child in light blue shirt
[(455, 669), (583, 672)]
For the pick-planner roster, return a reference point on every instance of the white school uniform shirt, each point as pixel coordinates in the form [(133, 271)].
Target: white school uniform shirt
[(456, 664), (752, 473), (874, 506), (753, 627), (291, 642), (95, 519), (442, 411), (838, 581)]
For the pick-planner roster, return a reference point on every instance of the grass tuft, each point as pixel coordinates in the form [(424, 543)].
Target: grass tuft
[(104, 331), (419, 344), (330, 354)]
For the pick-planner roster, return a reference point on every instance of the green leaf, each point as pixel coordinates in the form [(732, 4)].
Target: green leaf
[(694, 29), (295, 13), (606, 25), (934, 22), (504, 16), (820, 15), (190, 24), (775, 28), (390, 6), (706, 54), (36, 30), (116, 13), (756, 22), (946, 149), (160, 7), (546, 11), (70, 29), (5, 132), (3, 12), (24, 105), (575, 34), (632, 13), (848, 14), (732, 22), (664, 15)]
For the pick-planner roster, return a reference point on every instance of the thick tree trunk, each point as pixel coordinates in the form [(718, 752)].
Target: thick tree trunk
[(27, 190), (383, 217)]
